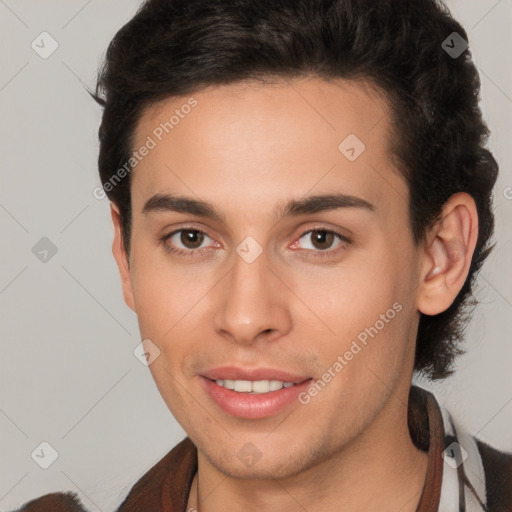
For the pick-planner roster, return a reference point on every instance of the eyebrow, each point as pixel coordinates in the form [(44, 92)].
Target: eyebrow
[(308, 205)]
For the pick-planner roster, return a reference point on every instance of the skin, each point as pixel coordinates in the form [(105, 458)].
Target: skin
[(247, 149)]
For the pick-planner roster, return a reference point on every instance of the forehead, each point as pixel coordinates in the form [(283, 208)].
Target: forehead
[(251, 143)]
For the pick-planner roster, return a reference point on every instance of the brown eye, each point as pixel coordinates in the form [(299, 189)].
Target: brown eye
[(191, 238), (322, 239), (187, 241)]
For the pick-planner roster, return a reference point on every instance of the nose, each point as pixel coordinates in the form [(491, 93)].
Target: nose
[(253, 303)]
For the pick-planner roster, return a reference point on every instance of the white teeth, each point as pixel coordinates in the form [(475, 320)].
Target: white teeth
[(230, 384), (260, 386), (253, 386), (243, 385), (275, 385)]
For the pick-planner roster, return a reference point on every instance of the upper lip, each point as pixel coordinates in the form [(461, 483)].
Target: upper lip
[(237, 373)]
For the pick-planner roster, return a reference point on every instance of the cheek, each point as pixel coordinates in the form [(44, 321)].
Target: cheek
[(363, 308), (170, 304), (164, 293), (369, 349), (181, 400), (350, 294)]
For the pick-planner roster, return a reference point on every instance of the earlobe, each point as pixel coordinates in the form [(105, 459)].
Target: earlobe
[(121, 257), (447, 255)]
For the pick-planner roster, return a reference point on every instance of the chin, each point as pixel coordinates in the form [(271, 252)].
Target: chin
[(249, 463), (267, 470)]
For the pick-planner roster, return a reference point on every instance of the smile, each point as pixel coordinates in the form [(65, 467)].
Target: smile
[(254, 399), (254, 386)]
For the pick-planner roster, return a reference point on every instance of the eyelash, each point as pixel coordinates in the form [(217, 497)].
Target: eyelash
[(329, 253)]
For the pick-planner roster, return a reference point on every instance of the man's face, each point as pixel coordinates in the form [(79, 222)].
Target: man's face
[(261, 290)]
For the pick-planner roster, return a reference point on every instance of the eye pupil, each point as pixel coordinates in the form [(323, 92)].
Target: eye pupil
[(322, 239), (191, 238)]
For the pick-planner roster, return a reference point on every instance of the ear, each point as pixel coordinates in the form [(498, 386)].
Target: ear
[(121, 257), (447, 254)]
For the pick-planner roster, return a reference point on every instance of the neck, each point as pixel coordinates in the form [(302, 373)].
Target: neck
[(379, 470)]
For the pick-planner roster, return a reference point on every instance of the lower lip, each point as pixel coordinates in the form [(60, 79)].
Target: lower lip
[(253, 406)]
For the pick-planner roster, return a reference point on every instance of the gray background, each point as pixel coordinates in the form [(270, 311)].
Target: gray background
[(68, 373)]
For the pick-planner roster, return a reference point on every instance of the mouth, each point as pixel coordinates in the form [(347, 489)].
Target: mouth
[(252, 387), (253, 397)]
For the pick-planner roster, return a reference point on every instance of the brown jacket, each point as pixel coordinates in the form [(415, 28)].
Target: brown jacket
[(166, 486)]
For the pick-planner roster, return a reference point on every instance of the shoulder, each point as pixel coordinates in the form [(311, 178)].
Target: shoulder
[(474, 472), (166, 483), (171, 475), (497, 467), (54, 502)]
